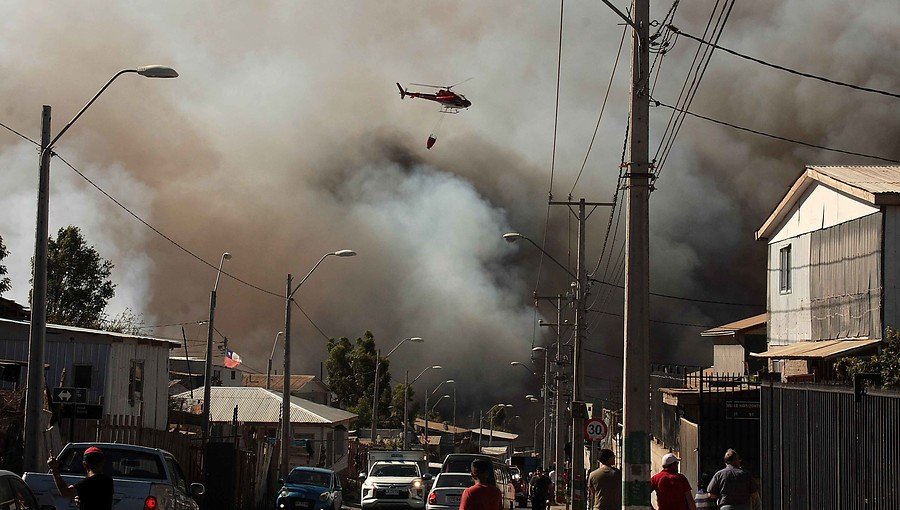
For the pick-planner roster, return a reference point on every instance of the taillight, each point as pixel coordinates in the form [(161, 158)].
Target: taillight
[(432, 498), (150, 503)]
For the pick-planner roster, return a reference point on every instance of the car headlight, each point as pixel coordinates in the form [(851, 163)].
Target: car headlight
[(324, 496), (417, 484)]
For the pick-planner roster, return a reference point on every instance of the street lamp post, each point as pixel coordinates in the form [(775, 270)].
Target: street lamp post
[(406, 384), (493, 414), (38, 335), (207, 365), (378, 359), (448, 381), (286, 382), (546, 404), (269, 368)]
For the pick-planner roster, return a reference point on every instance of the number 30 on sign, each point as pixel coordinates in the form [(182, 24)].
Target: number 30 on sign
[(595, 429)]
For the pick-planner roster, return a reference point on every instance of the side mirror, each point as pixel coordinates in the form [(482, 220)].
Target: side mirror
[(197, 489), (362, 476), (281, 481), (427, 476)]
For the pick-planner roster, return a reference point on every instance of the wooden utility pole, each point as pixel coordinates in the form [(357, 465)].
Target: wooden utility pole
[(639, 180)]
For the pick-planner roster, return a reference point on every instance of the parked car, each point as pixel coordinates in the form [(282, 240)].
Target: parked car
[(394, 483), (142, 478), (310, 488), (14, 491), (462, 463), (447, 491), (505, 484)]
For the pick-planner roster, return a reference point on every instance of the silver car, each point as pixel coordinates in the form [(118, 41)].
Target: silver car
[(446, 493)]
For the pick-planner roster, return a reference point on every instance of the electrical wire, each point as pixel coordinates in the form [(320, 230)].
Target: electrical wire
[(20, 135), (612, 75), (316, 326), (776, 137), (783, 68), (671, 323), (202, 321), (685, 298)]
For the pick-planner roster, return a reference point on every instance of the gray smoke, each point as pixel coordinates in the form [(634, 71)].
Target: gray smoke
[(284, 139)]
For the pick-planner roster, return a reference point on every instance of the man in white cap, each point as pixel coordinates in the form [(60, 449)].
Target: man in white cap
[(673, 491)]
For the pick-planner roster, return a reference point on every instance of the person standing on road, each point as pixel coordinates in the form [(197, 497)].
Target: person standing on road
[(484, 495), (673, 491), (734, 488), (540, 490), (94, 492), (605, 483)]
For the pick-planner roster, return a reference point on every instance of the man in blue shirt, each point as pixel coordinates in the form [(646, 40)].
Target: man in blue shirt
[(734, 488)]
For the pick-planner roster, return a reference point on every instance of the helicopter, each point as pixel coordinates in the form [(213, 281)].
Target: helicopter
[(450, 101)]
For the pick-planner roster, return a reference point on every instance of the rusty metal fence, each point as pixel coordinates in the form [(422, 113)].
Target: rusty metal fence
[(828, 448)]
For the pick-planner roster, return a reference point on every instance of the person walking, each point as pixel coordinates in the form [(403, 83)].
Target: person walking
[(94, 492), (732, 487), (673, 491), (540, 490), (702, 499), (605, 483), (484, 495), (553, 486)]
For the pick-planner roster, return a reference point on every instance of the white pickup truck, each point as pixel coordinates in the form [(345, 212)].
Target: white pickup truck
[(395, 478), (143, 478)]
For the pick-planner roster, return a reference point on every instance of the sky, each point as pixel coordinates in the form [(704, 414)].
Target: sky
[(284, 138)]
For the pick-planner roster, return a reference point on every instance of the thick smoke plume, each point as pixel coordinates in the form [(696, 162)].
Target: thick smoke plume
[(284, 139)]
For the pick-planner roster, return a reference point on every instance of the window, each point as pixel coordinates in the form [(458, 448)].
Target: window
[(82, 376), (136, 382), (232, 375), (784, 270), (116, 463), (176, 474)]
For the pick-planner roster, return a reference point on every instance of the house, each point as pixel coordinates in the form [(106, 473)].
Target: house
[(308, 387), (833, 268), (189, 372), (126, 374), (733, 344), (319, 431)]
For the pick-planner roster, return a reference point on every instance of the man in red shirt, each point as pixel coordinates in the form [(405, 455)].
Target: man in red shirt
[(484, 495), (673, 492)]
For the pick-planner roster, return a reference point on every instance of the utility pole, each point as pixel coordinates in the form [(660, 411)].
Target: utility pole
[(286, 438), (405, 408), (375, 396), (636, 376), (34, 398), (555, 433)]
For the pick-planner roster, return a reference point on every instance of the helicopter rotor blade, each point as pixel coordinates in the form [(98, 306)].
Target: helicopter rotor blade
[(460, 83), (426, 85)]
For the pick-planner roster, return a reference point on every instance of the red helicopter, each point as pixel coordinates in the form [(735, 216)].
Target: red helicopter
[(450, 101)]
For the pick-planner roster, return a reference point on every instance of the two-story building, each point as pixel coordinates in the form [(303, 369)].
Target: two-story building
[(833, 268)]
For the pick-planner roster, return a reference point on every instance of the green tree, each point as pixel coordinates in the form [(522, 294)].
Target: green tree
[(78, 284), (887, 363), (4, 281), (397, 404), (351, 376)]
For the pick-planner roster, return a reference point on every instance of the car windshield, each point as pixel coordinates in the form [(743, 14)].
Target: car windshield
[(117, 463), (454, 480), (307, 477), (394, 470)]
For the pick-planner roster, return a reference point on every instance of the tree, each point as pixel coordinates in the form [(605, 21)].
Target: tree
[(886, 364), (4, 281), (397, 404), (351, 376), (126, 322), (78, 284)]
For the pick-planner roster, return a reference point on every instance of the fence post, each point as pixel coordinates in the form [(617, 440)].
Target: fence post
[(700, 425)]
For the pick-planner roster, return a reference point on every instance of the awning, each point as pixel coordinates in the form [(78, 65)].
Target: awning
[(754, 324), (824, 349)]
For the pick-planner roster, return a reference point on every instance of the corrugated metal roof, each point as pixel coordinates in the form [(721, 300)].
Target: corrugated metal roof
[(442, 427), (170, 343), (823, 349), (741, 326), (259, 381), (259, 405), (874, 179), (497, 434)]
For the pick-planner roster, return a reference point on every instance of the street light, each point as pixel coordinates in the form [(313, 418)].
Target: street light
[(523, 365), (545, 441), (448, 381), (406, 384), (377, 367), (512, 237), (37, 339), (496, 406), (207, 366), (269, 369), (286, 384), (439, 401)]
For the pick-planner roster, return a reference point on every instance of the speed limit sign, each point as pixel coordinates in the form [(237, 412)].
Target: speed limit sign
[(595, 429)]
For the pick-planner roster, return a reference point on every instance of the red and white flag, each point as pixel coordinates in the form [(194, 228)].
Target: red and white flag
[(231, 359)]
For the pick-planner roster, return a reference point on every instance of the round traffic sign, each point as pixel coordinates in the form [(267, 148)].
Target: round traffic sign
[(595, 429)]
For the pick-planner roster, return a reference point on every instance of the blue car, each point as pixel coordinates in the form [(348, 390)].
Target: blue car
[(309, 488)]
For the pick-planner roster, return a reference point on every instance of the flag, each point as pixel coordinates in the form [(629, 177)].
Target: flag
[(231, 359)]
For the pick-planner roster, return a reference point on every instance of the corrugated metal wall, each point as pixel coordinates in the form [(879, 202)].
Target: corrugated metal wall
[(821, 450)]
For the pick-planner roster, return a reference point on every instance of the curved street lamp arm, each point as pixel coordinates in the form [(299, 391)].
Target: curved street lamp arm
[(88, 105), (396, 347), (523, 365), (420, 375), (291, 295)]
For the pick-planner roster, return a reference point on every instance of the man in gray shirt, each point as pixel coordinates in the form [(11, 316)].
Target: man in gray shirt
[(734, 488)]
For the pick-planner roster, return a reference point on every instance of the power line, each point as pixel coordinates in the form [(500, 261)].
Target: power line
[(684, 298), (776, 137), (202, 321), (671, 323), (602, 108), (783, 68), (20, 135), (326, 337)]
